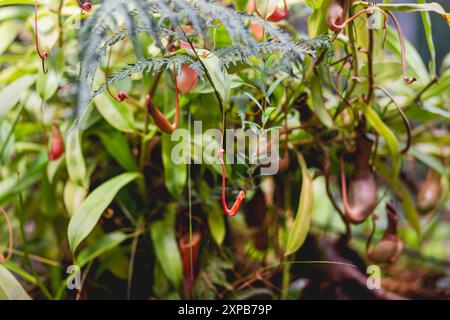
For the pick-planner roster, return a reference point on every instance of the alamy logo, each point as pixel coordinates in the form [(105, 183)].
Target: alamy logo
[(374, 279), (260, 147), (74, 278)]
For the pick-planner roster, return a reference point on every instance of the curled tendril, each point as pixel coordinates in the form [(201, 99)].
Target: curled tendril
[(3, 259), (407, 79), (85, 6), (403, 116), (241, 196), (42, 54), (346, 22)]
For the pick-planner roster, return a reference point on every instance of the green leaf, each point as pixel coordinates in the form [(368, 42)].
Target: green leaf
[(416, 7), (12, 2), (175, 174), (317, 102), (267, 113), (235, 82), (317, 22), (87, 215), (302, 220), (216, 223), (441, 87), (117, 146), (117, 114), (76, 166), (315, 4), (219, 76), (9, 31), (428, 160), (74, 195), (383, 130), (162, 233), (105, 243), (12, 93), (10, 288), (19, 271), (429, 36)]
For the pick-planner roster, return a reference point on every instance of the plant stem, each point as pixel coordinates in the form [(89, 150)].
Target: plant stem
[(286, 279), (60, 27), (143, 154)]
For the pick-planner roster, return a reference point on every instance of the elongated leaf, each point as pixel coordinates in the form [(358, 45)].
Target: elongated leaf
[(219, 76), (318, 104), (302, 220), (439, 88), (216, 223), (409, 207), (10, 94), (429, 36), (175, 175), (429, 160), (11, 2), (115, 113), (87, 215), (76, 166), (11, 266), (387, 134), (74, 195), (414, 7), (9, 31), (317, 22), (162, 233), (102, 245), (10, 288), (117, 146)]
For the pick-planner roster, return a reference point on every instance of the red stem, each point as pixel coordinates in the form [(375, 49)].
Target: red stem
[(240, 198), (342, 26), (43, 55), (402, 49)]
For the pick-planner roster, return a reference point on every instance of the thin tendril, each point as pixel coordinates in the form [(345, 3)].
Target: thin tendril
[(42, 54), (401, 37), (403, 116)]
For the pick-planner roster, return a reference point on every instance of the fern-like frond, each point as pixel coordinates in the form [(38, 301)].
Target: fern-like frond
[(242, 53), (116, 20), (148, 66)]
